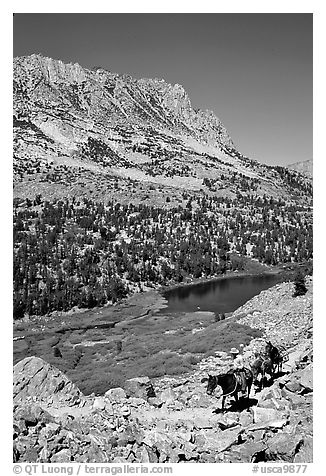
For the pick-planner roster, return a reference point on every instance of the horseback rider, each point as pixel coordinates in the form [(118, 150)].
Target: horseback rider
[(238, 366)]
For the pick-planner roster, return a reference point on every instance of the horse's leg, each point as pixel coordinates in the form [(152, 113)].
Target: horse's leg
[(273, 369), (236, 396), (248, 389), (223, 401)]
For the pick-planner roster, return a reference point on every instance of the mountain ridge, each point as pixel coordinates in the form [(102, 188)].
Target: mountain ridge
[(175, 99), (98, 126)]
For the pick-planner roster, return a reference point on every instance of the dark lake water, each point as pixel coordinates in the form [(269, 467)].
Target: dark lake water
[(223, 295)]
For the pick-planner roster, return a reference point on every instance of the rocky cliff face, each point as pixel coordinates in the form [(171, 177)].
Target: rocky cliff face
[(75, 128), (45, 88), (172, 419)]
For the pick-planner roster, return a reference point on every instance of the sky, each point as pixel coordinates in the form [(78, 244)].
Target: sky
[(253, 70)]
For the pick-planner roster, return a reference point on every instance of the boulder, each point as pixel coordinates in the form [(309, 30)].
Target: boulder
[(116, 394), (125, 411), (190, 451), (95, 454), (305, 453), (281, 404), (203, 401), (246, 418), (158, 439), (258, 435), (283, 447), (305, 379), (161, 425), (167, 396), (63, 456), (31, 455), (50, 430), (293, 361), (268, 393), (136, 402), (293, 384), (248, 452), (109, 408), (294, 399), (144, 455), (210, 440), (140, 387), (205, 439), (99, 403), (19, 427), (155, 402), (271, 397), (227, 438), (265, 415), (31, 414), (224, 422), (33, 377), (198, 401), (201, 422)]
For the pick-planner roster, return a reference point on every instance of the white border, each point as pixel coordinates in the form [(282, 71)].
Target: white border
[(166, 6)]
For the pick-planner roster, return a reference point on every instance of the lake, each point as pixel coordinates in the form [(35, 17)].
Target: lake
[(222, 295)]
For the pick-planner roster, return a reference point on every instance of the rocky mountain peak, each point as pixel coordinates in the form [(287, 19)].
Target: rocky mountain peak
[(120, 98), (52, 71)]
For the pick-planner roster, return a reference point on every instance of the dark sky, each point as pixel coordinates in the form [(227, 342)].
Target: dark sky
[(253, 70)]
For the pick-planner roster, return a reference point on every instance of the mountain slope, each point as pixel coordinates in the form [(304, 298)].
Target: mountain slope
[(182, 423), (305, 167), (120, 186), (81, 132)]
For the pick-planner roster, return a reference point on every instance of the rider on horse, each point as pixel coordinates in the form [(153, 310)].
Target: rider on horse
[(238, 367)]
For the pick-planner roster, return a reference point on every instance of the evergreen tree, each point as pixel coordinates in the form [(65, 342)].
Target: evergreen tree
[(300, 288)]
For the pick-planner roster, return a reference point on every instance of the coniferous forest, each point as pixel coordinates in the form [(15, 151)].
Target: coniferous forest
[(83, 253)]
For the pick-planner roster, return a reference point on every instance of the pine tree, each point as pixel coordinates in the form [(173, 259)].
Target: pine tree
[(300, 288)]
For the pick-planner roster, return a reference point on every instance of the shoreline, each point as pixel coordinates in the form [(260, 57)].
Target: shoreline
[(153, 300), (229, 275)]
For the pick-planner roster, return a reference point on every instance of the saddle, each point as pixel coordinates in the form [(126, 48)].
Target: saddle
[(241, 376)]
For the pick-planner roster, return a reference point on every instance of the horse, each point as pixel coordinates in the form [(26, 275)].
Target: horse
[(275, 356), (260, 366), (230, 384)]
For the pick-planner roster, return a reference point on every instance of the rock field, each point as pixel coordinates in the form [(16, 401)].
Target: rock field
[(173, 419)]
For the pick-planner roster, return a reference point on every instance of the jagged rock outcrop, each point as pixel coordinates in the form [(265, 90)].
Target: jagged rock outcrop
[(35, 378), (103, 99)]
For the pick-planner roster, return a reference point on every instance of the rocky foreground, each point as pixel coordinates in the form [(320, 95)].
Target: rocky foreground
[(173, 419)]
